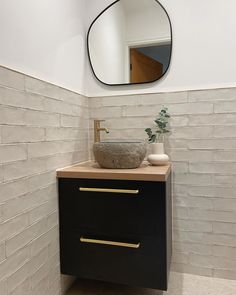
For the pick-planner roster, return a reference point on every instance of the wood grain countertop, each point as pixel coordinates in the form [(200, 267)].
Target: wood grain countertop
[(91, 170)]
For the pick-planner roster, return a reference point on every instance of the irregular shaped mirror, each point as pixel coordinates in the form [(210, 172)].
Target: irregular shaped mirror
[(130, 42)]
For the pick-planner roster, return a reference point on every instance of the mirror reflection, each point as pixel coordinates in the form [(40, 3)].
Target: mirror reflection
[(130, 42)]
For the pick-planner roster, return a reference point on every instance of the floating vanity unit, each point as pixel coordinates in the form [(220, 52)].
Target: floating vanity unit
[(116, 224)]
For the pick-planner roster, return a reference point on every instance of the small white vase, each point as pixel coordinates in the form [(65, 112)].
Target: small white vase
[(158, 157)]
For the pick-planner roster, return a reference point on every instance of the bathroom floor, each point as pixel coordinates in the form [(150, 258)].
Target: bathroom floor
[(180, 284)]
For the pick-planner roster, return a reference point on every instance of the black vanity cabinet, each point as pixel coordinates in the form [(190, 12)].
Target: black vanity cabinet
[(116, 230)]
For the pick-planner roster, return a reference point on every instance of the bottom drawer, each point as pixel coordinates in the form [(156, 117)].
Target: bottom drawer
[(127, 260)]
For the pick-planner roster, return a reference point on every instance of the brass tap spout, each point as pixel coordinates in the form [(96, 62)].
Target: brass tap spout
[(98, 129)]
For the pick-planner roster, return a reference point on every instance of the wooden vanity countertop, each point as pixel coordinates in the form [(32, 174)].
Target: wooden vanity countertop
[(91, 170)]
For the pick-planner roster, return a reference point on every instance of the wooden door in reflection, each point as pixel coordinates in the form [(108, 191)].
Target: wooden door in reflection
[(143, 68)]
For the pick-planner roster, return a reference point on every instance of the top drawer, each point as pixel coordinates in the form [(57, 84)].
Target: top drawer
[(107, 206)]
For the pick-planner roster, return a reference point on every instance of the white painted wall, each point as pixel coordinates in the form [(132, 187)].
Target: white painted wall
[(204, 46), (110, 54), (44, 39)]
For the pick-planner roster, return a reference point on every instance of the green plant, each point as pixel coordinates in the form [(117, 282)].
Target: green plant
[(161, 122)]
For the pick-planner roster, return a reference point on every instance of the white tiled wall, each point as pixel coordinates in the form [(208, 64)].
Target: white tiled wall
[(202, 146), (42, 128)]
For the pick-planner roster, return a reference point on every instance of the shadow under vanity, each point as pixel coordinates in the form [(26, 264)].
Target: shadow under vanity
[(116, 224)]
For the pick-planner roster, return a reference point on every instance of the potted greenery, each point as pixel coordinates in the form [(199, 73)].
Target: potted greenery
[(156, 138)]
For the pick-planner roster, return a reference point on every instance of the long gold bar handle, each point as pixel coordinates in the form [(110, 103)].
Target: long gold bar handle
[(109, 190), (110, 243)]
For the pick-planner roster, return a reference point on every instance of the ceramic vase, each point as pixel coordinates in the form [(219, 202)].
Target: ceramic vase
[(157, 156)]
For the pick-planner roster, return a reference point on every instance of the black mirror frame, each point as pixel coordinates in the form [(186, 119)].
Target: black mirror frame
[(127, 84)]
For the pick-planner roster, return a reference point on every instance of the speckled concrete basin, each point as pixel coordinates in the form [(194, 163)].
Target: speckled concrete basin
[(119, 155)]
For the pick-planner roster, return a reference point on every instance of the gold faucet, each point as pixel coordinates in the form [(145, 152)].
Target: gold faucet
[(97, 130)]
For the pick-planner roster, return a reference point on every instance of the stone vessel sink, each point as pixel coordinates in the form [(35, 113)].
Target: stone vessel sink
[(119, 155)]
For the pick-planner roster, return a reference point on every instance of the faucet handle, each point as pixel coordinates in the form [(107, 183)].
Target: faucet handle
[(97, 123)]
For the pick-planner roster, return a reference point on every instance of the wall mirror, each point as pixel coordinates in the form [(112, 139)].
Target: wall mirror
[(130, 42)]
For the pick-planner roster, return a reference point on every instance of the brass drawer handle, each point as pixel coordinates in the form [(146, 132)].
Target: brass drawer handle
[(110, 243), (109, 190)]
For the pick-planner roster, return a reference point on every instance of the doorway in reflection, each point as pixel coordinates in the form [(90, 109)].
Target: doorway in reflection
[(148, 63)]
